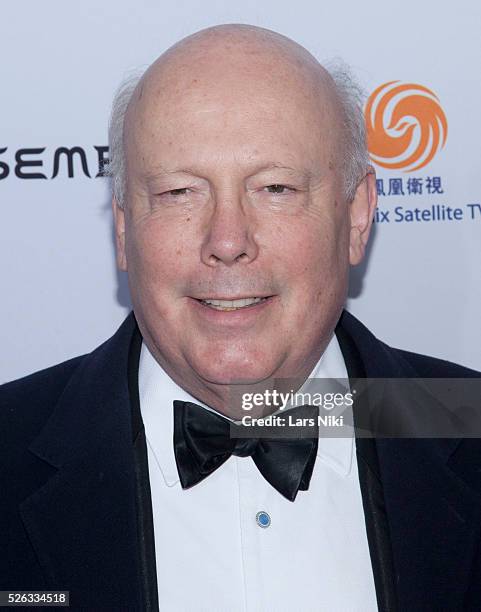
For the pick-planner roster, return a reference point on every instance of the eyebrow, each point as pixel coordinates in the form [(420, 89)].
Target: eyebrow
[(160, 171), (276, 166)]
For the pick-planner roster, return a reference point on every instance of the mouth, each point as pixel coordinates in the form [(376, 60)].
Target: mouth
[(231, 305)]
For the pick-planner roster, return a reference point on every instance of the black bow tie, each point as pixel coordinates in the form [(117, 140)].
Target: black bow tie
[(203, 441)]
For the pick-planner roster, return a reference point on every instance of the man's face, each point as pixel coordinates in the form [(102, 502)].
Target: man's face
[(234, 195)]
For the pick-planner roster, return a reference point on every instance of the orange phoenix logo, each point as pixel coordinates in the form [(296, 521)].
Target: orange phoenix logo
[(406, 126)]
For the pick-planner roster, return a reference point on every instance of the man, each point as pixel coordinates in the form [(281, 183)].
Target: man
[(242, 193)]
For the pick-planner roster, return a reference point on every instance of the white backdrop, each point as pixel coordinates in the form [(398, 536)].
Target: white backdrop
[(61, 62)]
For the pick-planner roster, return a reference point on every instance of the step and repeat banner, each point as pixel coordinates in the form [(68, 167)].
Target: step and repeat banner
[(419, 287)]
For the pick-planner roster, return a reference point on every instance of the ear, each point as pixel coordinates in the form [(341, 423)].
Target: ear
[(119, 226), (362, 210)]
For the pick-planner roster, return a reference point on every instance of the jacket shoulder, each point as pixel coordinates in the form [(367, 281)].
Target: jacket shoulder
[(26, 403), (433, 367), (384, 361)]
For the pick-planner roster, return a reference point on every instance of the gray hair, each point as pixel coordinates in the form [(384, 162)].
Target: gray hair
[(116, 167), (356, 163)]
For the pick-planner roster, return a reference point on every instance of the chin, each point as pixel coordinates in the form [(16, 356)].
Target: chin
[(229, 370)]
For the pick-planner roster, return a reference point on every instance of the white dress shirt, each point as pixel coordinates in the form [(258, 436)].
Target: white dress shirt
[(211, 553)]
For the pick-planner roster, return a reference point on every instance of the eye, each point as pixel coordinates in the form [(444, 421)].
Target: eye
[(176, 192), (279, 189)]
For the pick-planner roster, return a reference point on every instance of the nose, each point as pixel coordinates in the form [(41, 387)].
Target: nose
[(229, 236)]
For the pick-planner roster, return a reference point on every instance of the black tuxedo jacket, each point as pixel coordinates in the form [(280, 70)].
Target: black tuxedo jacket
[(75, 510)]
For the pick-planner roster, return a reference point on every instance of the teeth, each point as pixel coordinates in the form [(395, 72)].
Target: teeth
[(232, 304)]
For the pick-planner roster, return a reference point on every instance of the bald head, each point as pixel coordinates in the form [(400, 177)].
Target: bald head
[(233, 64), (241, 52)]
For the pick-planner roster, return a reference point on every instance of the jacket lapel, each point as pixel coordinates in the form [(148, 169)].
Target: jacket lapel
[(82, 522), (434, 519), (377, 526), (432, 508)]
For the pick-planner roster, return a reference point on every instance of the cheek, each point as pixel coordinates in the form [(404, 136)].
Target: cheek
[(157, 253), (156, 265), (315, 253), (318, 277)]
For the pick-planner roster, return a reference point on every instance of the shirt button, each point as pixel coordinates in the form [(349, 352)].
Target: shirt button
[(263, 519)]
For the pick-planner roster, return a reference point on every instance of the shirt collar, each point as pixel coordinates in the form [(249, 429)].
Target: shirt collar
[(157, 392)]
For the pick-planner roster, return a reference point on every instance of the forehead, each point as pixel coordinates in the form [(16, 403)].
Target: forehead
[(240, 106)]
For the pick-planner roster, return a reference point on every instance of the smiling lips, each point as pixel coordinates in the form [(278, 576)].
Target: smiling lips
[(229, 305)]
